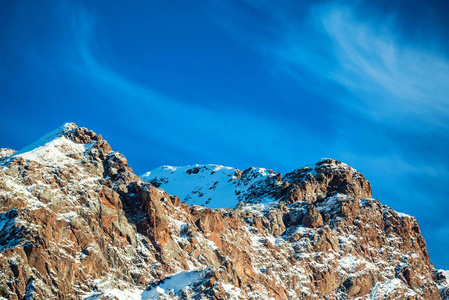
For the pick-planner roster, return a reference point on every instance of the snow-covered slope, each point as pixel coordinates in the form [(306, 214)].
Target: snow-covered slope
[(214, 186), (442, 280), (6, 152), (52, 148), (45, 142)]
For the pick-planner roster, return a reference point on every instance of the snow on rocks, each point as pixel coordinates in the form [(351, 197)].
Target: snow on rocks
[(76, 222), (53, 148), (6, 152), (216, 186), (442, 280), (213, 186)]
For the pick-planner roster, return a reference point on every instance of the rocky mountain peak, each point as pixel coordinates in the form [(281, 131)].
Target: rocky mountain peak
[(199, 184), (79, 135), (68, 140), (77, 223), (326, 178)]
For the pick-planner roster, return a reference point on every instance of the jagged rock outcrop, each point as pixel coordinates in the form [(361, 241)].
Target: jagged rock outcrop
[(76, 222), (441, 278), (324, 179), (5, 152)]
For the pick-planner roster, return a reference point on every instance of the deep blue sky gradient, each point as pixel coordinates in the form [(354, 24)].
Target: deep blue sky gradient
[(272, 84)]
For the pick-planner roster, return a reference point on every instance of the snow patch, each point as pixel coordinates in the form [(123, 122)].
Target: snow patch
[(57, 133), (173, 284), (212, 186), (52, 148)]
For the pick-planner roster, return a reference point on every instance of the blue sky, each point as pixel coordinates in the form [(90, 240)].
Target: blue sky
[(276, 84)]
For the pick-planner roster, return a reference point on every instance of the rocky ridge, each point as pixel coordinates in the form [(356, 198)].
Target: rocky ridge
[(77, 223), (217, 186), (6, 152)]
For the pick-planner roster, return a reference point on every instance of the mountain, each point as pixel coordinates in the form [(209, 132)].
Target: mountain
[(217, 186), (77, 223)]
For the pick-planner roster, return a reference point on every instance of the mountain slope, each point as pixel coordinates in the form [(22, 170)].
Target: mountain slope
[(214, 186), (76, 222), (217, 186)]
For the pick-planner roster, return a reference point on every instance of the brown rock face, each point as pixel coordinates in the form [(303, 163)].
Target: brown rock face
[(76, 222), (325, 179)]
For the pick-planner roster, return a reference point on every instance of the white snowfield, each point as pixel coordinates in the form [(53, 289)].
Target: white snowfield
[(444, 287), (52, 148), (213, 186), (169, 287)]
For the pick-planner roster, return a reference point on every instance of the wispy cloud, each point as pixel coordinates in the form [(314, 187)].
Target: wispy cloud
[(402, 88), (392, 81), (213, 135)]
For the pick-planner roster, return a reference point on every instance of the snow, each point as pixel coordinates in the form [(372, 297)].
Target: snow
[(382, 290), (446, 274), (6, 152), (349, 263), (67, 216), (171, 285), (232, 291), (402, 215), (197, 188), (131, 294), (47, 138), (389, 210), (213, 186), (443, 287), (52, 148), (303, 230), (328, 204), (175, 283)]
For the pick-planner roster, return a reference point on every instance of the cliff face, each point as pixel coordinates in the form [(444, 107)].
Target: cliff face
[(76, 222)]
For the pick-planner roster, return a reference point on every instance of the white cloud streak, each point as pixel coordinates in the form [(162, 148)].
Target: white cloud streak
[(211, 134), (392, 81)]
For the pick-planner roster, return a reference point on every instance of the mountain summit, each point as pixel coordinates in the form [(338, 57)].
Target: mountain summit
[(217, 186), (77, 223)]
